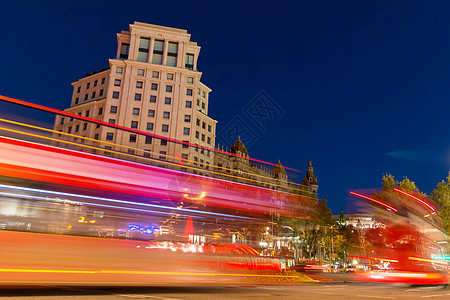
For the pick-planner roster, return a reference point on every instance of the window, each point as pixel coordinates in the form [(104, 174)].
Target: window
[(154, 86), (134, 124), (189, 92), (78, 89), (189, 61), (98, 126), (151, 113), (208, 140), (203, 105), (69, 130), (148, 139), (163, 154), (141, 72), (112, 121), (113, 109), (84, 126), (185, 156), (144, 46), (187, 118), (186, 131), (136, 111), (163, 143), (117, 82), (172, 54), (203, 137), (155, 74), (190, 80), (87, 113), (169, 88), (166, 115), (203, 94), (124, 49), (77, 100), (137, 97), (198, 122), (139, 84), (100, 111), (167, 100), (152, 99), (95, 83), (109, 136), (197, 134), (86, 97), (131, 151), (132, 138), (77, 128), (158, 49), (88, 85), (208, 152), (149, 126), (169, 76), (165, 128), (96, 136), (209, 128), (198, 102), (188, 104), (115, 95), (198, 91), (100, 93), (103, 80), (186, 145), (147, 153), (119, 70), (93, 95), (62, 121), (203, 125)]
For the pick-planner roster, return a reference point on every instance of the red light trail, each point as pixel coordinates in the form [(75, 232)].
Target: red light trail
[(376, 201)]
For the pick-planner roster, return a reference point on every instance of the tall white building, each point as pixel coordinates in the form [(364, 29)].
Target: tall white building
[(152, 85)]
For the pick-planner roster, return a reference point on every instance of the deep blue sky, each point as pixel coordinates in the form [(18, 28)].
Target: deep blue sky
[(364, 85)]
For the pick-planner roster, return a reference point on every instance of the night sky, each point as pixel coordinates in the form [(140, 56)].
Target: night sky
[(360, 88)]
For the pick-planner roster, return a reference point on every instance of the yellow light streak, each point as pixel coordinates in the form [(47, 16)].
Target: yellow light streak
[(136, 272)]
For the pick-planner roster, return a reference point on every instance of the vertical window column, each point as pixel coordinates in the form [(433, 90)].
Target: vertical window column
[(144, 46), (172, 54), (158, 50)]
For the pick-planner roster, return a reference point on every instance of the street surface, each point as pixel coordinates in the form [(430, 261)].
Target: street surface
[(337, 290)]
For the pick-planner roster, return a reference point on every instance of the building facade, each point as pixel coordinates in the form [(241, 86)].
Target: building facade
[(152, 85), (235, 165)]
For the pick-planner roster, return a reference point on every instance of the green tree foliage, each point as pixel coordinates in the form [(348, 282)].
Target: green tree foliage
[(441, 196), (323, 214)]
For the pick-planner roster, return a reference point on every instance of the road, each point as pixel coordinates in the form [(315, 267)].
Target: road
[(299, 291)]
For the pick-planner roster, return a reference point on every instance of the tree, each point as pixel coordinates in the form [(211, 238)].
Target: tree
[(441, 196)]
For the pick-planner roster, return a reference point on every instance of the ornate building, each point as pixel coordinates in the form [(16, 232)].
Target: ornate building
[(243, 170)]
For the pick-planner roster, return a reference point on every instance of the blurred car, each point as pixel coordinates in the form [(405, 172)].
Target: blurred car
[(312, 267)]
